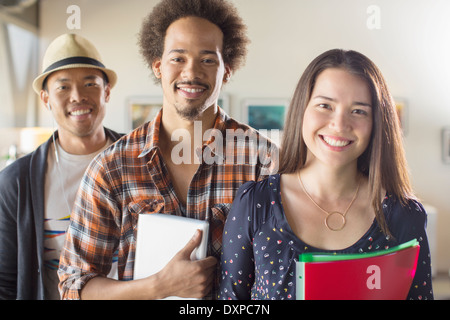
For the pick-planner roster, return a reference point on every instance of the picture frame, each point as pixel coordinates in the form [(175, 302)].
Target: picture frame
[(224, 102), (265, 114), (446, 145), (142, 109), (402, 111)]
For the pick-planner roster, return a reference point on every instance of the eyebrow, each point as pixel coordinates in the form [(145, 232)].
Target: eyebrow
[(185, 51), (89, 77), (357, 103), (92, 77), (62, 80)]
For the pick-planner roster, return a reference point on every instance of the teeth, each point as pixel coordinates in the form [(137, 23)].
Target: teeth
[(80, 112), (336, 143), (191, 90)]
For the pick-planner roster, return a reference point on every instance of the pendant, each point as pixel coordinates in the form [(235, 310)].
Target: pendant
[(335, 221)]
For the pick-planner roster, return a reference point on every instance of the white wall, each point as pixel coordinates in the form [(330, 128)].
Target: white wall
[(411, 48)]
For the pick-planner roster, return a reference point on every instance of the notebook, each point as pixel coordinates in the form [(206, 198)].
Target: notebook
[(160, 237), (381, 275)]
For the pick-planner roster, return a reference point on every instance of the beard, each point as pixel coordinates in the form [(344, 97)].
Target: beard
[(191, 112)]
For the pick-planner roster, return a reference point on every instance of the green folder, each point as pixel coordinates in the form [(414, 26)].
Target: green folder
[(322, 257)]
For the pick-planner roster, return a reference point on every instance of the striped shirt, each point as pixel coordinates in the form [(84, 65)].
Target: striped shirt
[(131, 178)]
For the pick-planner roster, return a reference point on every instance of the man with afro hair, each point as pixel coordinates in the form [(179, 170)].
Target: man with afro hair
[(192, 48)]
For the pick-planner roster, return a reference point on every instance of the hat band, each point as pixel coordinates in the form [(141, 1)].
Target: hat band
[(74, 60)]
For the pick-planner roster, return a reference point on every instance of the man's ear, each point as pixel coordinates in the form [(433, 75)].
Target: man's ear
[(156, 67), (227, 74), (44, 98), (107, 92)]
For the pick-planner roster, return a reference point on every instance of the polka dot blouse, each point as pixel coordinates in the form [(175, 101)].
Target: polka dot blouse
[(260, 249)]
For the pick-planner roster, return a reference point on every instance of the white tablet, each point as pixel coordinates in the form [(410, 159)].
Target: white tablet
[(160, 237)]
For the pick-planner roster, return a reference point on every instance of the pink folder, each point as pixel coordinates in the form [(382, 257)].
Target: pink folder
[(381, 275)]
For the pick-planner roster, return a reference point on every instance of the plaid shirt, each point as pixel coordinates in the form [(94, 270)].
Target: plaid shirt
[(131, 178)]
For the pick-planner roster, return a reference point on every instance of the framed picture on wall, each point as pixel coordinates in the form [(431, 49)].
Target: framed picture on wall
[(402, 112), (224, 102), (266, 114), (142, 109), (446, 145)]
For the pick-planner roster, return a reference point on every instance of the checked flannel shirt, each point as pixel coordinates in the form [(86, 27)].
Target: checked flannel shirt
[(131, 178)]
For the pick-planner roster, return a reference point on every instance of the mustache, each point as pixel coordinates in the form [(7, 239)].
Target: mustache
[(192, 83)]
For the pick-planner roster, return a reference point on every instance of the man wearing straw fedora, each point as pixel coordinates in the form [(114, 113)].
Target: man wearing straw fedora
[(37, 191)]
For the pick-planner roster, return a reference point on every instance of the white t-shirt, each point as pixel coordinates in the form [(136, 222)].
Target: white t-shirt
[(59, 200)]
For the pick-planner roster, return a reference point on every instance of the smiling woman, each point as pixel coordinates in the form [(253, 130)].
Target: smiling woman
[(362, 111), (338, 118), (332, 193)]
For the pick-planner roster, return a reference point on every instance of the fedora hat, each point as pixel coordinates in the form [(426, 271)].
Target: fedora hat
[(71, 51)]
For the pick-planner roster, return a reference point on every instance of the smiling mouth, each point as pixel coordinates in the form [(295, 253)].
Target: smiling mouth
[(80, 112), (191, 89), (336, 142)]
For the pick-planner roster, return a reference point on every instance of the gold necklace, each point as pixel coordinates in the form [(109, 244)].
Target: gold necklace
[(334, 222)]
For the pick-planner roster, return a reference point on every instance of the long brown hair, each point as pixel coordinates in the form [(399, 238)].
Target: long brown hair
[(383, 162)]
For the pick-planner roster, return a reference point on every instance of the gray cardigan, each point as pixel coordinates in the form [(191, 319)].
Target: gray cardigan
[(22, 224)]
